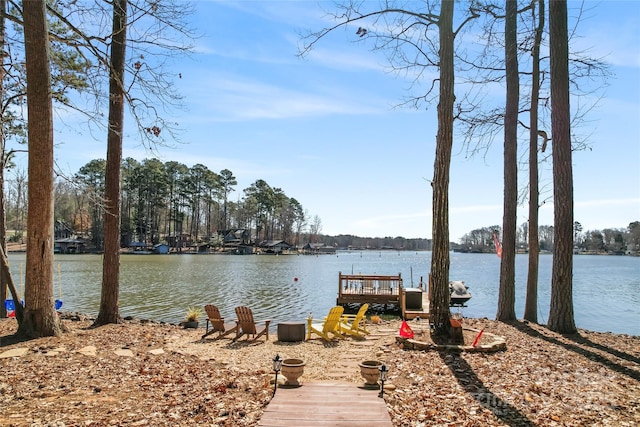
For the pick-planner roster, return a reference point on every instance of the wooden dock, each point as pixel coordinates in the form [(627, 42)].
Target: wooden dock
[(368, 288), (326, 404), (383, 290)]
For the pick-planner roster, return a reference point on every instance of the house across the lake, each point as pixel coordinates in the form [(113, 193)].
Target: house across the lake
[(236, 241), (318, 248), (69, 246), (273, 246)]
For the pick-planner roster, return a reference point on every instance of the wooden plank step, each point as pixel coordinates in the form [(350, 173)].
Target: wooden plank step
[(312, 411), (322, 423), (323, 404)]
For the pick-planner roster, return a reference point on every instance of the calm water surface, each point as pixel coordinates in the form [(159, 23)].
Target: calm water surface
[(606, 289)]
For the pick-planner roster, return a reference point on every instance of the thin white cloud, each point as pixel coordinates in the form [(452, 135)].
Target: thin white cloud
[(379, 221), (345, 60), (475, 208), (609, 202), (236, 99)]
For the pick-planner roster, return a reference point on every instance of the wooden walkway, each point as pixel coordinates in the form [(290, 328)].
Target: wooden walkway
[(326, 404)]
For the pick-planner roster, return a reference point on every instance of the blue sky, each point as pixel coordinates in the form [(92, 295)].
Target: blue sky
[(327, 131)]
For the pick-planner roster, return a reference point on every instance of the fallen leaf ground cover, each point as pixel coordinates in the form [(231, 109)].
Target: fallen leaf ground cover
[(146, 373)]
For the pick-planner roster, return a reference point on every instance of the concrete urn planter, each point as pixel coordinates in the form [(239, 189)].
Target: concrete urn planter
[(292, 369), (369, 369)]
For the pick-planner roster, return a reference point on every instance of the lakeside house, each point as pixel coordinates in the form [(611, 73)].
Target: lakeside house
[(273, 246), (69, 246), (179, 241), (317, 248), (236, 241)]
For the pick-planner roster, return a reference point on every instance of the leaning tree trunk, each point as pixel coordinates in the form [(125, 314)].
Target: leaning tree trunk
[(6, 278), (3, 226), (109, 309), (561, 310), (439, 295), (507, 292), (531, 301), (40, 317)]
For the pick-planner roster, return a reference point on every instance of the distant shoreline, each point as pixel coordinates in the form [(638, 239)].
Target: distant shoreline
[(22, 247)]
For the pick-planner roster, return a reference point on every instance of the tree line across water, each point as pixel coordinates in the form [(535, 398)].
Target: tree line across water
[(161, 200), (617, 241)]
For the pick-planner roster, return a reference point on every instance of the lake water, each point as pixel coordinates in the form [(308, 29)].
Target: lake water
[(606, 289)]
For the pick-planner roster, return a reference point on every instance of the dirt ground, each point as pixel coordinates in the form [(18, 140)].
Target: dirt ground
[(144, 373)]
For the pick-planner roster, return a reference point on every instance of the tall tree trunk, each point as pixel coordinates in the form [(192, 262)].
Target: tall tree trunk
[(439, 295), (531, 301), (3, 225), (3, 153), (507, 292), (40, 317), (561, 310), (109, 308)]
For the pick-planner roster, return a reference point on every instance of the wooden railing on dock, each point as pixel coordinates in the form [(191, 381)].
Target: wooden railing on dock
[(372, 289)]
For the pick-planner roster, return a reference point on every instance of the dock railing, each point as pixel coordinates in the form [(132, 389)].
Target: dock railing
[(366, 288)]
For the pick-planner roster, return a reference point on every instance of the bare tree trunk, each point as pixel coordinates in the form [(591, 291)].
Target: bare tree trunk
[(507, 292), (3, 230), (5, 276), (439, 297), (109, 308), (3, 216), (561, 311), (40, 317), (531, 301)]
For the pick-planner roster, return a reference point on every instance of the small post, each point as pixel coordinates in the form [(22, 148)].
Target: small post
[(383, 377), (277, 365)]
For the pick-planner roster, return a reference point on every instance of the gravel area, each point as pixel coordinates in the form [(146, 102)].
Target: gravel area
[(146, 373)]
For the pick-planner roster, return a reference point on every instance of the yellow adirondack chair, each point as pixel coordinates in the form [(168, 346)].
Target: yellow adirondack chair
[(355, 324), (328, 329), (217, 323)]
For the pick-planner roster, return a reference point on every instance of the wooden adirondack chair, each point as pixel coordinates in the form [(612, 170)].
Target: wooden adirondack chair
[(328, 329), (355, 324), (217, 323), (247, 326)]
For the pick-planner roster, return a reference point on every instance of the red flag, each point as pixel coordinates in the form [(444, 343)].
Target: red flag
[(405, 330), (477, 340), (498, 245)]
